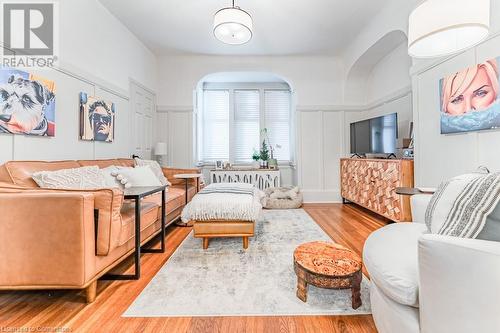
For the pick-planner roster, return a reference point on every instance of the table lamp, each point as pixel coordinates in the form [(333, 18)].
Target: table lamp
[(160, 151)]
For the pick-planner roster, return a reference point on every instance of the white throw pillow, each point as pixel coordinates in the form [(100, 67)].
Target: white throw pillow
[(155, 167), (109, 175), (139, 176), (83, 178), (461, 205)]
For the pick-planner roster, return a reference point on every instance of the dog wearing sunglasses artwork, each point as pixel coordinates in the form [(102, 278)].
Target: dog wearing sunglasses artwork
[(99, 116), (23, 103)]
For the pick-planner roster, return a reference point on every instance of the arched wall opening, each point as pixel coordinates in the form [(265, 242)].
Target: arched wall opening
[(263, 84), (379, 82), (357, 78)]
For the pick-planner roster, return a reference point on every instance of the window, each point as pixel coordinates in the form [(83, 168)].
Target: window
[(232, 118), (216, 125), (278, 121), (246, 123)]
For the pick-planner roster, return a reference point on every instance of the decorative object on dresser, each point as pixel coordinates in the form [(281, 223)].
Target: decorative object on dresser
[(372, 183), (261, 178), (327, 265)]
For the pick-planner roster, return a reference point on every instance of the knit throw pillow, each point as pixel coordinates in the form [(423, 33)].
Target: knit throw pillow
[(83, 178), (461, 205), (155, 167)]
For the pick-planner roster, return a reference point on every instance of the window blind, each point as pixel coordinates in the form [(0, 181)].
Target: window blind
[(215, 125), (231, 119), (246, 124), (277, 121)]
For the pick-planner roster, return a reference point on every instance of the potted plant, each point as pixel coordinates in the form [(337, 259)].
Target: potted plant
[(255, 158), (271, 161), (264, 155)]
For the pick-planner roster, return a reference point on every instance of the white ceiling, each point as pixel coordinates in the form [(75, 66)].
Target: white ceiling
[(281, 27)]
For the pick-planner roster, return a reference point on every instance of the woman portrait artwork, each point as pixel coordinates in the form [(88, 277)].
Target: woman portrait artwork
[(470, 99)]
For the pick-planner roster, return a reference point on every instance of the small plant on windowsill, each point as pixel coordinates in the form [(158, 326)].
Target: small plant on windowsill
[(264, 155), (255, 159)]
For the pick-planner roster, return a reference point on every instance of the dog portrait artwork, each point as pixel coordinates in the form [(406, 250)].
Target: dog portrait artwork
[(97, 119), (27, 103)]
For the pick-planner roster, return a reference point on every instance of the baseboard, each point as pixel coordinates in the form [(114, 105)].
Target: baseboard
[(322, 196)]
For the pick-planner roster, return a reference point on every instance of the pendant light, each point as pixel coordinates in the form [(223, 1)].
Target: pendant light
[(233, 25), (442, 27)]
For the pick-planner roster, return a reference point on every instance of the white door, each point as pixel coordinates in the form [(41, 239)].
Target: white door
[(143, 109)]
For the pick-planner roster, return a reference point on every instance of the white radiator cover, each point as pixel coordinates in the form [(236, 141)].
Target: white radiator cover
[(262, 179)]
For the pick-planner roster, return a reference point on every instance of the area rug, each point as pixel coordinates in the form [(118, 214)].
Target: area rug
[(226, 280)]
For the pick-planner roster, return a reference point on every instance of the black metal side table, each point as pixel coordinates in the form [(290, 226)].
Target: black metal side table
[(137, 194)]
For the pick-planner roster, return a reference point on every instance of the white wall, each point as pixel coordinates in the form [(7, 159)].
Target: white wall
[(98, 55), (438, 157), (390, 75), (96, 42), (316, 80)]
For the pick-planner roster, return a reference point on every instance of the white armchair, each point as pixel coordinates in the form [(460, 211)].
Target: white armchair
[(429, 283)]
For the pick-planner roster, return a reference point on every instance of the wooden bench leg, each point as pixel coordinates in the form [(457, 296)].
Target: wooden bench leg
[(91, 292), (245, 243), (302, 289), (205, 243)]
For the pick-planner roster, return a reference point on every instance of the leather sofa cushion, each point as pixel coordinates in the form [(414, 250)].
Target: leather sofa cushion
[(125, 162), (149, 215), (20, 171), (390, 256)]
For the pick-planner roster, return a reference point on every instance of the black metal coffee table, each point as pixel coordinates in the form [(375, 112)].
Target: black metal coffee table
[(137, 194)]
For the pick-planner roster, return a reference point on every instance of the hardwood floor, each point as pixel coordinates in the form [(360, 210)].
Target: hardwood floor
[(67, 310)]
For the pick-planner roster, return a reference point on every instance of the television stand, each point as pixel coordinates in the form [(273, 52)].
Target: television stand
[(356, 155), (372, 183), (391, 155)]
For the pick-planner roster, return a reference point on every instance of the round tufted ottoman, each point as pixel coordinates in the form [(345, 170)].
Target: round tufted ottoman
[(327, 265)]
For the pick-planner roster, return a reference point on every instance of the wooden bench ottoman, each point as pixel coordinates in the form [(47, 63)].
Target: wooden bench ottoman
[(223, 228)]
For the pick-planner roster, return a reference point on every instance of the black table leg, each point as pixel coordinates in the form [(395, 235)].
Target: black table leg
[(186, 180), (137, 253), (162, 231)]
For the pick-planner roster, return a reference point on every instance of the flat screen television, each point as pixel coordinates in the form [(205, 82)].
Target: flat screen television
[(375, 136)]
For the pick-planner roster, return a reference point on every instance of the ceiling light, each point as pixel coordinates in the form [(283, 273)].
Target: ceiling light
[(233, 25), (443, 27)]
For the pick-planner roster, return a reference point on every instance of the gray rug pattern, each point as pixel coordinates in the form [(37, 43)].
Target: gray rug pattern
[(226, 280)]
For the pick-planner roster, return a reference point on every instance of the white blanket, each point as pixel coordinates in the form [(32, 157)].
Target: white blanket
[(224, 201)]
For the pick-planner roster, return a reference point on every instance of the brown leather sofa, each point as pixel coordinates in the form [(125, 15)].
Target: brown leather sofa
[(48, 238)]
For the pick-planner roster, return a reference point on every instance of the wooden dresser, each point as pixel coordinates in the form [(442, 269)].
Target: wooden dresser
[(371, 183)]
